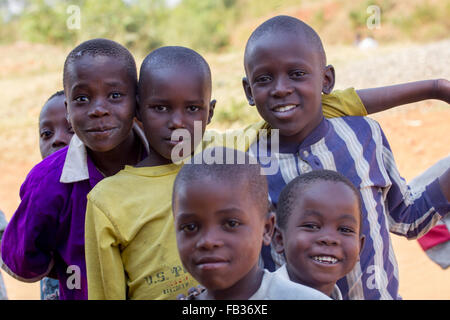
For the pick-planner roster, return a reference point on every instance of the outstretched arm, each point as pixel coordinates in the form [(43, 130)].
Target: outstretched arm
[(384, 98)]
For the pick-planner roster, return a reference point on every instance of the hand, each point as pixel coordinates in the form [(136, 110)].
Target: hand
[(442, 90), (192, 293)]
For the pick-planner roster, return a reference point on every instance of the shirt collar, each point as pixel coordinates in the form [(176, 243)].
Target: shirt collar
[(317, 134), (76, 165), (335, 294)]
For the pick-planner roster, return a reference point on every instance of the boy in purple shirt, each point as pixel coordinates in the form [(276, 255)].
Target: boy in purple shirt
[(46, 233), (55, 133)]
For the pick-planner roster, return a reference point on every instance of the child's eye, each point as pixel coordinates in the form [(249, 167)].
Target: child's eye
[(46, 134), (346, 230), (310, 226), (189, 227), (297, 74), (263, 79), (115, 95), (193, 108), (160, 108), (231, 224), (81, 99)]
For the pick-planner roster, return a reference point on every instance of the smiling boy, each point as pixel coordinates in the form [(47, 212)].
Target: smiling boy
[(286, 73), (318, 230)]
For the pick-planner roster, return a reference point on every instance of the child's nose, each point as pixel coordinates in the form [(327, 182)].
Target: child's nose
[(282, 88), (99, 109), (62, 138), (176, 121), (328, 240), (209, 241)]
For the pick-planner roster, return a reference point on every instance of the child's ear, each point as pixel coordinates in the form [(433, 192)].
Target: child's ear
[(67, 111), (269, 228), (248, 91), (328, 79), (362, 241), (278, 241), (212, 105)]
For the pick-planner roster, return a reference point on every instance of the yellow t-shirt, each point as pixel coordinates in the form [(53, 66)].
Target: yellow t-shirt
[(131, 250)]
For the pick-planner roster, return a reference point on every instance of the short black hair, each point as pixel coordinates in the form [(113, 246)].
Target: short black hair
[(285, 24), (293, 191), (56, 94), (247, 172), (102, 47), (174, 57)]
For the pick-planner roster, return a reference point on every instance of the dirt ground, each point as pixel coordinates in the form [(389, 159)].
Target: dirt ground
[(418, 137)]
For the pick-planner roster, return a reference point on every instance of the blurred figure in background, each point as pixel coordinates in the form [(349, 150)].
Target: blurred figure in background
[(436, 242)]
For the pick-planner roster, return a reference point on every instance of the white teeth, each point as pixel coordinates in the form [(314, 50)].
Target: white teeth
[(284, 108), (325, 259)]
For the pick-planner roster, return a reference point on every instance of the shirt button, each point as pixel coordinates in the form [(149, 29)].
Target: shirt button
[(305, 153)]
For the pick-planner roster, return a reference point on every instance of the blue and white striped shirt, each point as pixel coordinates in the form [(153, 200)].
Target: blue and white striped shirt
[(357, 148)]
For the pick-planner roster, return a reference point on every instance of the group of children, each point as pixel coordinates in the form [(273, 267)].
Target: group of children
[(112, 216)]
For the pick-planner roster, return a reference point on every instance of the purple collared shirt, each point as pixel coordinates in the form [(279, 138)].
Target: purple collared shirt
[(46, 233)]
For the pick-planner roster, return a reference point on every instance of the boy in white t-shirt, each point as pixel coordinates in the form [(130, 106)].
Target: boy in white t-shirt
[(318, 230)]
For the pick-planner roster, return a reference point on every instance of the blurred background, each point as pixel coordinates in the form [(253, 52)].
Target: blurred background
[(370, 43)]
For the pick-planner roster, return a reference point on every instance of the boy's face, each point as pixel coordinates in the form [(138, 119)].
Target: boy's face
[(285, 78), (321, 240), (54, 130), (101, 101), (171, 99), (219, 233)]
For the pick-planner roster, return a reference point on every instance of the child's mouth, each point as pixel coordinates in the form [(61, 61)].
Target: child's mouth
[(100, 129), (325, 259), (211, 263), (101, 132), (284, 108), (174, 142)]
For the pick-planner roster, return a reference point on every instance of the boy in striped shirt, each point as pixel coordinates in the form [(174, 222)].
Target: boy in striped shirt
[(286, 73)]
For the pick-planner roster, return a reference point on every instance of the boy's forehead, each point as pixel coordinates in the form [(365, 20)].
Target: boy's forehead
[(296, 43), (329, 193), (182, 74), (173, 70), (114, 66), (52, 106)]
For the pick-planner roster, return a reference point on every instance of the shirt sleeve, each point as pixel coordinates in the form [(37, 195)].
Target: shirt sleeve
[(411, 213), (341, 103), (28, 242), (105, 271)]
